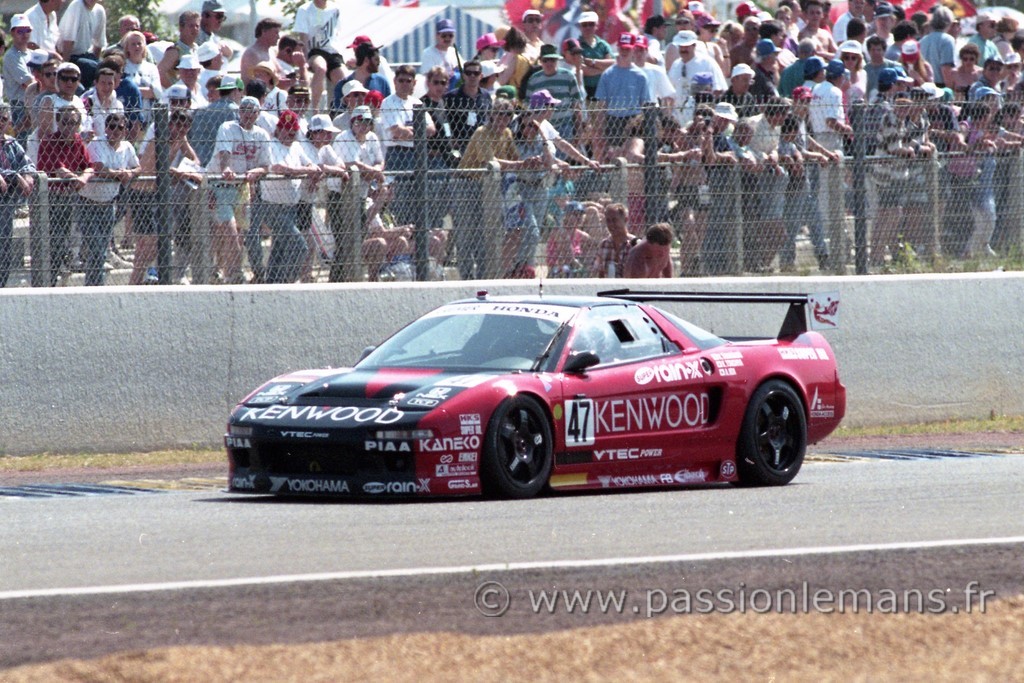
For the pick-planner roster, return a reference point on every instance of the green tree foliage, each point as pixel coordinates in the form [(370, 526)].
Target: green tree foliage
[(151, 19)]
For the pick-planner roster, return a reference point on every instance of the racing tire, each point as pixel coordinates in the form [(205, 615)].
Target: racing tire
[(518, 449), (773, 438)]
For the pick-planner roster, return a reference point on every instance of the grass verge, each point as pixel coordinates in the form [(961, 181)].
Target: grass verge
[(43, 461)]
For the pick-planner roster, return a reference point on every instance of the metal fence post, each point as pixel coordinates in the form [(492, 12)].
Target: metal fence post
[(492, 218), (655, 199), (421, 230), (202, 243), (164, 211), (39, 233), (934, 201), (618, 188), (351, 227), (860, 218)]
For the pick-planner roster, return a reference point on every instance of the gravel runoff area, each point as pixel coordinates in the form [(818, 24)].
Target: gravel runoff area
[(790, 647), (769, 647)]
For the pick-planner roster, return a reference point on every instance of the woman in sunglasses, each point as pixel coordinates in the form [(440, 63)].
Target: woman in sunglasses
[(114, 165)]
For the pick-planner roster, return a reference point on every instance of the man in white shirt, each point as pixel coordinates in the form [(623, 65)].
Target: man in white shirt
[(45, 27), (533, 26), (396, 125), (317, 25), (686, 67), (855, 9), (239, 156), (661, 89), (83, 35), (442, 52), (280, 197), (827, 115)]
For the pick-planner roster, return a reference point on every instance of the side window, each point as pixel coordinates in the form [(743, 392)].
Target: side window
[(620, 333)]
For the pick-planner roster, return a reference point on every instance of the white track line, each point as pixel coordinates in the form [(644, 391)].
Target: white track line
[(508, 567)]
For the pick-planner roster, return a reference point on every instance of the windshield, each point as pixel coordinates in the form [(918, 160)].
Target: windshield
[(468, 338)]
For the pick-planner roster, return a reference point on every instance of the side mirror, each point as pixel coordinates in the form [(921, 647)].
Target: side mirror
[(580, 361), (366, 352)]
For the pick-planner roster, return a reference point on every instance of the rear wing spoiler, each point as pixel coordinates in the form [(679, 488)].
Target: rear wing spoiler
[(823, 307)]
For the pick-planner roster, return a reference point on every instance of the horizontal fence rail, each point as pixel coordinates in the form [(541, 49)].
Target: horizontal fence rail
[(750, 196)]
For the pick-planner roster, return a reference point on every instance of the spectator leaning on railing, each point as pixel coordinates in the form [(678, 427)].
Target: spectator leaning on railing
[(17, 181)]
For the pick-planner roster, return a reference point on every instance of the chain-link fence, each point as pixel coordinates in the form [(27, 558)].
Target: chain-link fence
[(492, 193)]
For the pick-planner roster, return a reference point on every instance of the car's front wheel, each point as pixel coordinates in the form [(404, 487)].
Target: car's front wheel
[(518, 449), (773, 437)]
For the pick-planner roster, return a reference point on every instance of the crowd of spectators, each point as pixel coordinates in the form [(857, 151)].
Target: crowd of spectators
[(760, 106)]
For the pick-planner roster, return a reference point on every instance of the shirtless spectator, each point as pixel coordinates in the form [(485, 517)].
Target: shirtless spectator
[(815, 29), (651, 257), (262, 50), (188, 33)]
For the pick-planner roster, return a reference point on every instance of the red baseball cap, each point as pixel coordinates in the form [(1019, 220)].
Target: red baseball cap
[(359, 40), (288, 120), (627, 41)]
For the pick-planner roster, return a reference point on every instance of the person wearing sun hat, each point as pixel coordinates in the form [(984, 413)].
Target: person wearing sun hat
[(597, 53), (532, 26)]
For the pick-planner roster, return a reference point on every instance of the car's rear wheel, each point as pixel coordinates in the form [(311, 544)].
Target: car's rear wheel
[(518, 449), (773, 437)]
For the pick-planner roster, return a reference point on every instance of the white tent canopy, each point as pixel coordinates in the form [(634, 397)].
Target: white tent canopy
[(402, 32)]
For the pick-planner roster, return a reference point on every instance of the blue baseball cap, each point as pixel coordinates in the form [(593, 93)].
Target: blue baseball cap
[(813, 65), (766, 47), (835, 68), (889, 76)]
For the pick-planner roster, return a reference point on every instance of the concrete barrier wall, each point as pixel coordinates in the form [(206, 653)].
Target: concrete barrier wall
[(111, 369)]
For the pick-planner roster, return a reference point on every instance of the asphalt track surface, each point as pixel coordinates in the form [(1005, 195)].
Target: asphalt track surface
[(87, 576)]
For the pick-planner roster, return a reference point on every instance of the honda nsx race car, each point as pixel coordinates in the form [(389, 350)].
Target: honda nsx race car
[(510, 396)]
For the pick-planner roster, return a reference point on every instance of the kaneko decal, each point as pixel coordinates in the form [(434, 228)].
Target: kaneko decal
[(668, 372), (449, 443), (382, 416), (272, 394), (288, 485), (820, 410), (690, 476), (806, 353), (636, 480), (627, 454)]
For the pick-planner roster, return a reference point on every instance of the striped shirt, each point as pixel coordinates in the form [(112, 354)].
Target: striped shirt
[(562, 86)]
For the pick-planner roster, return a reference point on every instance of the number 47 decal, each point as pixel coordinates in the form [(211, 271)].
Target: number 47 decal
[(579, 422)]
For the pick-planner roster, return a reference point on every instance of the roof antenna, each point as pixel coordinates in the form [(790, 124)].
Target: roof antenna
[(540, 286)]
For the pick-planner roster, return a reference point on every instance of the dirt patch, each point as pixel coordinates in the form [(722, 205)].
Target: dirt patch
[(815, 647)]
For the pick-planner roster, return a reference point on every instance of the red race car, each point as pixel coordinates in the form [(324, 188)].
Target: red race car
[(509, 396)]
